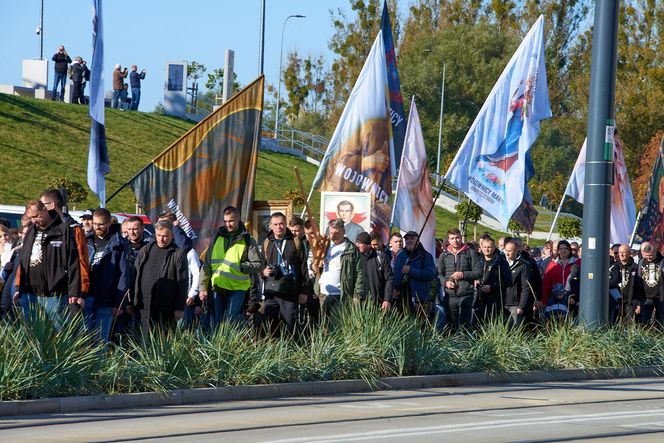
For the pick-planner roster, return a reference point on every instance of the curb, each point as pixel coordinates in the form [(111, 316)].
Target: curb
[(60, 405)]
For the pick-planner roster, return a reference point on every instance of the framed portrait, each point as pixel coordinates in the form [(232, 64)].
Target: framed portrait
[(354, 208), (261, 213)]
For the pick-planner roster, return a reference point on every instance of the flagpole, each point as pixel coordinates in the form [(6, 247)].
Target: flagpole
[(636, 225), (555, 219)]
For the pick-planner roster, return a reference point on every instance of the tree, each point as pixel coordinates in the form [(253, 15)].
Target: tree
[(569, 227), (515, 227), (468, 211), (76, 193)]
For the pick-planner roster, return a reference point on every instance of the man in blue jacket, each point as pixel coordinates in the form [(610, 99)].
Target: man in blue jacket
[(414, 270), (110, 275)]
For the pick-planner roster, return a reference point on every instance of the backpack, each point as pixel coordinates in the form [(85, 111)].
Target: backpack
[(296, 240)]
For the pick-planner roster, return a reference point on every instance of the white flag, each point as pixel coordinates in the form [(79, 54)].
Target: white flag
[(360, 156), (623, 210), (491, 163), (414, 197)]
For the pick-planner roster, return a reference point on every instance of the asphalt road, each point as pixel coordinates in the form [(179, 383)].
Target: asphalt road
[(605, 410)]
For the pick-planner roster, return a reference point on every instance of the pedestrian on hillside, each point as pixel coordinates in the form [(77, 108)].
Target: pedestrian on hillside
[(135, 81), (62, 61), (79, 72), (162, 279), (118, 85)]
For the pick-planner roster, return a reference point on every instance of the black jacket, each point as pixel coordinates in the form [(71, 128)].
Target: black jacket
[(495, 273), (650, 279), (61, 62), (519, 292), (60, 256), (379, 275), (78, 72), (173, 283), (296, 258), (622, 278), (466, 261), (535, 277)]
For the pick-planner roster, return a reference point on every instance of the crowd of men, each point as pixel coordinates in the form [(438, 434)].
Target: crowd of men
[(79, 74), (123, 280)]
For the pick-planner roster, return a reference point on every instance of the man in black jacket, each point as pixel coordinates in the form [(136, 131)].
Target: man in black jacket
[(285, 273), (49, 271), (62, 60), (623, 299), (162, 279), (518, 295), (79, 72), (379, 270), (650, 284), (495, 279), (458, 268)]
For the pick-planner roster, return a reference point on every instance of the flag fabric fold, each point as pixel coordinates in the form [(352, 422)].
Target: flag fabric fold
[(98, 163), (358, 157), (413, 194), (623, 209), (491, 164), (397, 114), (651, 225), (210, 167)]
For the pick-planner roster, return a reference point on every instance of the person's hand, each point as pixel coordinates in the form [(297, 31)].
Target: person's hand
[(202, 295), (458, 275), (178, 315), (80, 301), (378, 161), (637, 310), (386, 306), (486, 289), (538, 305), (519, 311), (450, 284), (268, 272), (190, 301)]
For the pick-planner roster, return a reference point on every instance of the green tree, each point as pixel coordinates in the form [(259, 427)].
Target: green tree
[(76, 192), (569, 227)]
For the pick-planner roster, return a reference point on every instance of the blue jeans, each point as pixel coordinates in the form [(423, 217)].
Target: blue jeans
[(115, 101), (62, 79), (441, 320), (227, 306), (55, 307), (98, 319), (135, 98)]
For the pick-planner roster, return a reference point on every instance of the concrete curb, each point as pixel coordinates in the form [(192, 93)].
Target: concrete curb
[(307, 389)]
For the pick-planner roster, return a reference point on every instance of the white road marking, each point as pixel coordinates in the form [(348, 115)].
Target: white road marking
[(466, 427), (654, 425)]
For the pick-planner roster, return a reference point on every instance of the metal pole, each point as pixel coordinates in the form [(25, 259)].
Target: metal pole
[(636, 226), (281, 52), (41, 32), (440, 126), (555, 219), (599, 166), (261, 47)]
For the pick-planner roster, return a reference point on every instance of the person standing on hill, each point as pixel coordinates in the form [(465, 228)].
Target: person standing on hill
[(118, 85), (62, 60), (78, 76), (135, 83)]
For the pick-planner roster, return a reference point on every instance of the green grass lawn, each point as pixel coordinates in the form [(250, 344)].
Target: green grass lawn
[(41, 140)]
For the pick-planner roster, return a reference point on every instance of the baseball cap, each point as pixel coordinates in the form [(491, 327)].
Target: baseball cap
[(411, 234), (87, 214)]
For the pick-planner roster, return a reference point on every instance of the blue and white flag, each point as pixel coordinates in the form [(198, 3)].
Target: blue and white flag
[(98, 164), (413, 195), (490, 167), (359, 156)]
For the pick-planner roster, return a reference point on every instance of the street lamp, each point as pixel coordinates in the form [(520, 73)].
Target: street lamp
[(276, 112)]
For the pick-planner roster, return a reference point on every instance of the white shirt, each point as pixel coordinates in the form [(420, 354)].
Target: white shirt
[(330, 279)]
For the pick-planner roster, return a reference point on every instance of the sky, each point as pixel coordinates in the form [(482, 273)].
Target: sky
[(150, 33)]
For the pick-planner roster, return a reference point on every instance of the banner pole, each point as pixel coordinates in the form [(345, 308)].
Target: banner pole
[(555, 219)]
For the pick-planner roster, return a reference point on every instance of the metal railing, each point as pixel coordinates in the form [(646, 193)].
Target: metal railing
[(310, 145)]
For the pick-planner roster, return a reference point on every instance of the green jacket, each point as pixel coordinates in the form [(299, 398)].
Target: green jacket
[(353, 274)]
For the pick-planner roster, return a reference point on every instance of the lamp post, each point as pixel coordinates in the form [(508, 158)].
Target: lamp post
[(440, 126), (281, 51)]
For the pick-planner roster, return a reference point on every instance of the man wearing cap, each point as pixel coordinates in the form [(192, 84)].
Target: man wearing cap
[(414, 270), (379, 270), (78, 75), (86, 221)]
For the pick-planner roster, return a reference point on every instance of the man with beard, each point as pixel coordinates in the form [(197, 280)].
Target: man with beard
[(623, 299), (650, 285)]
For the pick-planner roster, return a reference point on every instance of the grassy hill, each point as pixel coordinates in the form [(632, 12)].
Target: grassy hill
[(42, 140)]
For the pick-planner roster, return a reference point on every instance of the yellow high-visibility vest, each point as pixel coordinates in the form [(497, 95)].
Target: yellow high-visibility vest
[(225, 266)]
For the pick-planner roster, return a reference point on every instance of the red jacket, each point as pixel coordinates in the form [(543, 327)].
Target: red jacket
[(555, 273)]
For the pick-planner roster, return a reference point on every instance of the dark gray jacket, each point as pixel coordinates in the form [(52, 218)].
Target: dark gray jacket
[(466, 261)]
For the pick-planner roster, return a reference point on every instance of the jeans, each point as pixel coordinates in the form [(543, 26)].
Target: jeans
[(441, 319), (98, 319), (55, 307), (62, 79), (227, 305), (461, 311), (115, 101), (135, 99)]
